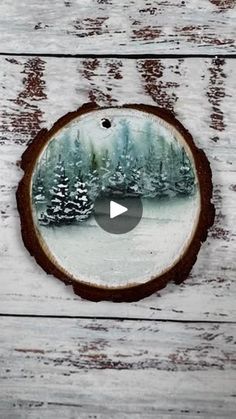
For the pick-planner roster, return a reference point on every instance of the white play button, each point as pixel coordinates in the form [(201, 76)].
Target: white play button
[(116, 209), (117, 214)]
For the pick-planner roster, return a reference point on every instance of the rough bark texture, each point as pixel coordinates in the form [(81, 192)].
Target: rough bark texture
[(115, 27)]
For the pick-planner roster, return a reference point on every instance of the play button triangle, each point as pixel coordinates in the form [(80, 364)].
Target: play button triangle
[(116, 209), (119, 216)]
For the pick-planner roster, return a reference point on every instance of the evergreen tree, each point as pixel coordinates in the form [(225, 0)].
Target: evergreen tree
[(185, 184), (162, 184), (93, 179), (117, 180), (93, 183), (79, 206), (173, 162), (127, 157), (38, 188), (135, 179), (150, 173), (78, 157), (105, 170), (55, 213)]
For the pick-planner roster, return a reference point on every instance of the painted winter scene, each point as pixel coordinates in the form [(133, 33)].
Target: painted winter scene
[(115, 153)]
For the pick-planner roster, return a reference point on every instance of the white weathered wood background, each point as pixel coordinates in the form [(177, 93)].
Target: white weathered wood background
[(172, 355)]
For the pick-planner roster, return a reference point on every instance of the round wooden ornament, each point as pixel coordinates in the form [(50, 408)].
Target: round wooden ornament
[(134, 152)]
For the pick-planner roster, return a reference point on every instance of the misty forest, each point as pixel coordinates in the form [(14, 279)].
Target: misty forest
[(69, 176)]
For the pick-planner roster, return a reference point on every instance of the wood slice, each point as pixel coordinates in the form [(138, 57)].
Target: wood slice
[(136, 151)]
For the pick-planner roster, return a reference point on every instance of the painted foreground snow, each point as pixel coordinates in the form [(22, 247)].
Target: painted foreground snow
[(97, 257)]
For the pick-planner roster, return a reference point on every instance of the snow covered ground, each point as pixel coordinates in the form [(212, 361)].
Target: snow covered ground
[(95, 256)]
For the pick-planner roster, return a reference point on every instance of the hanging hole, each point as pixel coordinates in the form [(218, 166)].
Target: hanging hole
[(106, 123)]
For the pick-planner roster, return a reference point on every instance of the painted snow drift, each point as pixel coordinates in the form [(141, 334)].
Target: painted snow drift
[(115, 152)]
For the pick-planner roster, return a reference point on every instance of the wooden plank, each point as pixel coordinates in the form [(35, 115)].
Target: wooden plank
[(114, 27), (114, 394), (35, 92), (91, 368)]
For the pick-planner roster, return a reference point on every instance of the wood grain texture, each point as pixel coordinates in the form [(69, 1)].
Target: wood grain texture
[(116, 369), (115, 27), (36, 91)]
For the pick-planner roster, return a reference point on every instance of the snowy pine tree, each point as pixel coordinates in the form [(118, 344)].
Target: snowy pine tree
[(117, 181), (55, 213), (135, 179), (79, 206), (105, 171), (173, 163), (126, 156), (162, 184), (93, 179), (150, 173), (185, 185), (78, 157), (38, 188)]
